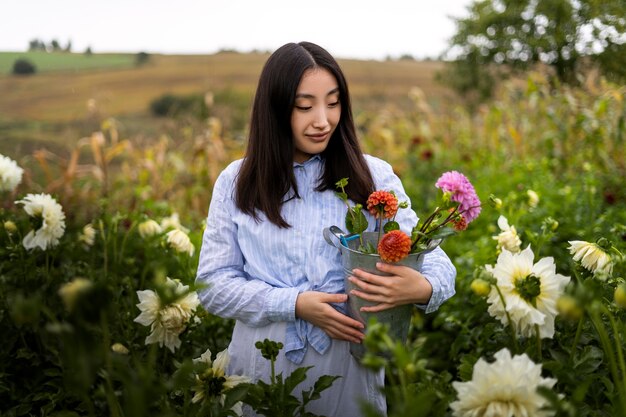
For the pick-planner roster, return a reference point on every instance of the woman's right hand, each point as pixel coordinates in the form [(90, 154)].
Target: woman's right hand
[(314, 307)]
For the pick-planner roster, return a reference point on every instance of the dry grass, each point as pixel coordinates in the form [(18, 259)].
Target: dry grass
[(62, 96)]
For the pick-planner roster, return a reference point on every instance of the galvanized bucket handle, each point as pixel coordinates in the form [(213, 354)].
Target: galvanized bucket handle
[(335, 231)]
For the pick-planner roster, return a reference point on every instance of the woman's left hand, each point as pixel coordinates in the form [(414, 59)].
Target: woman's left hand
[(404, 286)]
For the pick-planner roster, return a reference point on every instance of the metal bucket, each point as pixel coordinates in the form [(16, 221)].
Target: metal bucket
[(398, 318)]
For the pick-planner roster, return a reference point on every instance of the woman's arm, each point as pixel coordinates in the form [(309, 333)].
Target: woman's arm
[(229, 292)]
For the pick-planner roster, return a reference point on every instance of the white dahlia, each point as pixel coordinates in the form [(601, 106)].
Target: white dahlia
[(88, 235), (508, 238), (180, 242), (213, 381), (10, 174), (592, 257), (149, 228), (505, 388), (173, 222), (169, 320), (49, 219), (530, 291)]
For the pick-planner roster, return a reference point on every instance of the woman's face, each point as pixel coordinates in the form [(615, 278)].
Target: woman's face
[(315, 114)]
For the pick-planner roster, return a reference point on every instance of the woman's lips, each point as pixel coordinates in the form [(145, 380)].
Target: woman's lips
[(318, 137)]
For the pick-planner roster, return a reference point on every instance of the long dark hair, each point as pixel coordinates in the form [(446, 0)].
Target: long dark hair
[(266, 174)]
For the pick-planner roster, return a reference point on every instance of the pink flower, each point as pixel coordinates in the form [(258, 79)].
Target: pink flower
[(462, 192)]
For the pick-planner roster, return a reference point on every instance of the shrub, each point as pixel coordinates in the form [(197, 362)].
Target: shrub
[(175, 105), (22, 66)]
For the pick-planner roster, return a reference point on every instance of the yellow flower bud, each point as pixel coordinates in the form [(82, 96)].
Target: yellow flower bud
[(10, 227), (568, 307), (119, 348), (619, 296), (480, 287)]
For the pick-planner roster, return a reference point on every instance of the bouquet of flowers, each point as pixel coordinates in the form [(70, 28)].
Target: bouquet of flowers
[(459, 206)]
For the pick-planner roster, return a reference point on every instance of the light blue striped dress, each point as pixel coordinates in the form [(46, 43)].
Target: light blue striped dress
[(255, 271)]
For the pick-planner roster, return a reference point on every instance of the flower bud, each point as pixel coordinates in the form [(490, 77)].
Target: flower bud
[(119, 348), (149, 228), (480, 287), (619, 296), (495, 202), (10, 227), (568, 307)]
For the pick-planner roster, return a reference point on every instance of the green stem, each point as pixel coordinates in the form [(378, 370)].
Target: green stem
[(106, 340), (618, 349), (508, 316), (579, 330), (596, 320), (273, 375), (538, 342), (128, 232)]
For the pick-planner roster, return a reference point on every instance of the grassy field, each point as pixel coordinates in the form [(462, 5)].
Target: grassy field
[(51, 107), (65, 61)]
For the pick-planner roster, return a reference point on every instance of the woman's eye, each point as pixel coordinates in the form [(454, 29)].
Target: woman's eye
[(303, 108), (334, 104)]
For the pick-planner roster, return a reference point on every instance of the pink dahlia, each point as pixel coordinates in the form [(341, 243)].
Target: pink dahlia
[(462, 192), (382, 202), (394, 246)]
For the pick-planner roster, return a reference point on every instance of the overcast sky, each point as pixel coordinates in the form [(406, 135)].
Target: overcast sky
[(363, 29)]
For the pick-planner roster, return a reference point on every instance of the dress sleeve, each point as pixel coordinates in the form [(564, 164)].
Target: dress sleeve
[(228, 291), (437, 267)]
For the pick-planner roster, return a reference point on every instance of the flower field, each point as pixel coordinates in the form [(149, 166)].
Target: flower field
[(99, 249)]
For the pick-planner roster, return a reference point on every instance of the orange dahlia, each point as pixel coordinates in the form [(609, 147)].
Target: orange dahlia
[(382, 202), (394, 246)]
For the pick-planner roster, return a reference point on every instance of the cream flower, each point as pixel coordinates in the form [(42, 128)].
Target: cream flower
[(71, 291), (530, 292), (173, 222), (213, 381), (179, 241), (149, 228), (10, 174), (167, 321), (592, 257), (506, 387), (49, 216), (508, 238), (88, 235), (533, 198)]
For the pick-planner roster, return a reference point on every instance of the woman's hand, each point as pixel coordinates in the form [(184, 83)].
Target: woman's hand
[(314, 307), (404, 286)]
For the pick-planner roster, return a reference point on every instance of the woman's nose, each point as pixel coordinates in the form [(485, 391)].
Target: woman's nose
[(321, 119)]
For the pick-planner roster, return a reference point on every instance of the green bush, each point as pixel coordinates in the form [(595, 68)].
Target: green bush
[(23, 66), (171, 105)]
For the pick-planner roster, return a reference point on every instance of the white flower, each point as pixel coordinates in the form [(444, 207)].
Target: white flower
[(173, 222), (71, 291), (179, 241), (213, 381), (533, 198), (530, 292), (88, 235), (166, 321), (49, 214), (505, 388), (508, 238), (149, 228), (592, 257), (10, 174)]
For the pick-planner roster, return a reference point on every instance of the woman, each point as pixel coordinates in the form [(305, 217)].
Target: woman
[(264, 257)]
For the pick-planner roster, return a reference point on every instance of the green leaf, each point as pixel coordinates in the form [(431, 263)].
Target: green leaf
[(392, 225), (296, 377), (356, 222)]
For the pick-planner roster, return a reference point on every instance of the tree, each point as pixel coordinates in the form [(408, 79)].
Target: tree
[(565, 35)]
